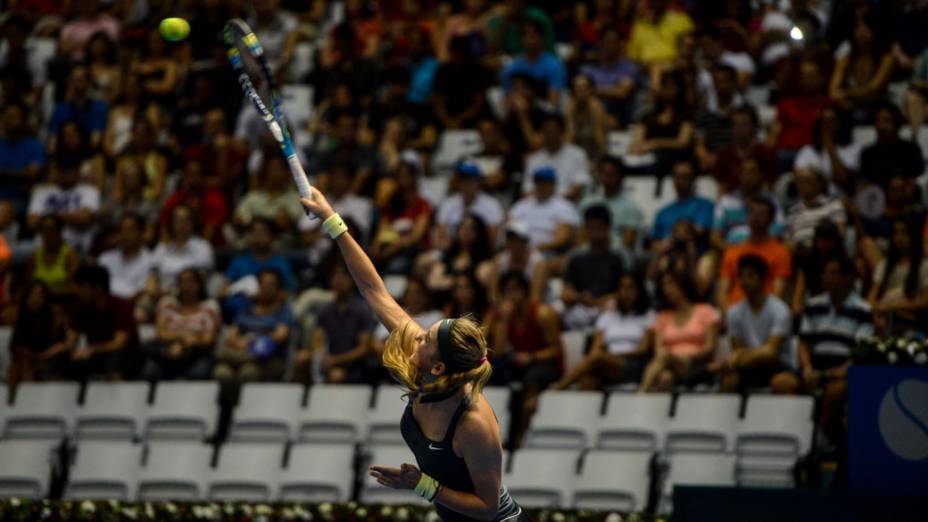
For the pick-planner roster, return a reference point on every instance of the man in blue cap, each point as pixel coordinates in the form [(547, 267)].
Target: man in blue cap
[(552, 220), (469, 199)]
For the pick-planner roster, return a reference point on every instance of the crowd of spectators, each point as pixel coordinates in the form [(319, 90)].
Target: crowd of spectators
[(138, 189)]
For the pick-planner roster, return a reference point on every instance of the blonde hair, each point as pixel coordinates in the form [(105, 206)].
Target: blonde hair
[(470, 351)]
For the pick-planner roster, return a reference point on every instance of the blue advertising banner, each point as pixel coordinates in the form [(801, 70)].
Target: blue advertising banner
[(888, 429)]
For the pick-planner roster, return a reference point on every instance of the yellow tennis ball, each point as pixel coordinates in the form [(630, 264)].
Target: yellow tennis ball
[(174, 29)]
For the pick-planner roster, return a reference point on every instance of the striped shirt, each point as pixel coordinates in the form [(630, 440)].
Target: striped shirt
[(731, 217), (802, 219), (834, 332)]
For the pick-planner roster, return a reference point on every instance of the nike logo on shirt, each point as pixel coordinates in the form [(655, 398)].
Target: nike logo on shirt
[(433, 448)]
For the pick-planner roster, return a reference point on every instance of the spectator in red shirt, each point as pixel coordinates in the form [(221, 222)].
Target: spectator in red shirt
[(405, 219), (208, 204), (222, 156), (744, 144), (760, 243), (797, 113)]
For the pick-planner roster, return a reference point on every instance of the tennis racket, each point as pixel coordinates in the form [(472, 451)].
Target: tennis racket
[(247, 58)]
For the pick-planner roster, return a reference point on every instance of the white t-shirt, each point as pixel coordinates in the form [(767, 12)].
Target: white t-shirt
[(543, 217), (171, 259), (802, 219), (811, 159), (754, 329), (127, 276), (451, 211), (504, 262), (623, 333), (425, 320), (52, 199), (569, 162)]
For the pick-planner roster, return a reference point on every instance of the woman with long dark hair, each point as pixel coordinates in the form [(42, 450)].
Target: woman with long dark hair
[(621, 340), (859, 80), (667, 131), (832, 151), (826, 244), (39, 336), (468, 298), (471, 248), (448, 424), (685, 336), (405, 219), (187, 326), (102, 60), (900, 281), (73, 142)]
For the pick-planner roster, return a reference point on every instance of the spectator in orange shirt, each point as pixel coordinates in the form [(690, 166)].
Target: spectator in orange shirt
[(761, 244)]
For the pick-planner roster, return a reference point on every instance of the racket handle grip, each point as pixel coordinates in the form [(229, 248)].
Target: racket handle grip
[(299, 176)]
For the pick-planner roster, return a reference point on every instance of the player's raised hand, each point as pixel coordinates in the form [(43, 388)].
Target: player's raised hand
[(317, 205)]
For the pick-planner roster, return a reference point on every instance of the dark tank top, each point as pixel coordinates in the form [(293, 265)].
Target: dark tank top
[(437, 459)]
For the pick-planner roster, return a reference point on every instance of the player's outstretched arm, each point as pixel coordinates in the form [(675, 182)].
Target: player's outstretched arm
[(365, 276)]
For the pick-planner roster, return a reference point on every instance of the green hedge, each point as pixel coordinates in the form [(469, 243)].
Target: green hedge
[(113, 511)]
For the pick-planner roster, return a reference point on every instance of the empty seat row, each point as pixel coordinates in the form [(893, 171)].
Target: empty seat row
[(180, 470), (269, 412), (608, 480), (50, 411), (773, 426), (334, 413)]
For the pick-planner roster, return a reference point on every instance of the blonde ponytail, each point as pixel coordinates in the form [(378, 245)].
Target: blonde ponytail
[(470, 351)]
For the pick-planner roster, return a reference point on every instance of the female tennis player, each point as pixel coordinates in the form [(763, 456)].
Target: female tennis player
[(448, 424)]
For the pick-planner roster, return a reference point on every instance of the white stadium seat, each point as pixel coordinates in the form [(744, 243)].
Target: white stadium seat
[(541, 477), (104, 470), (776, 425), (574, 342), (703, 422), (565, 419), (617, 142), (372, 492), (643, 189), (175, 470), (634, 421), (499, 397), (42, 411), (613, 480), (266, 412), (26, 468), (775, 432), (384, 420), (4, 406), (246, 472), (112, 411), (318, 473), (336, 413), (183, 411), (6, 334), (697, 469), (453, 146)]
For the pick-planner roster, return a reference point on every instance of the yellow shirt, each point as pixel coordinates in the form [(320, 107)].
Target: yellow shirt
[(655, 43)]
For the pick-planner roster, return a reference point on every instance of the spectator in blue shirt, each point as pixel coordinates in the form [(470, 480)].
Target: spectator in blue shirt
[(78, 105), (688, 206), (22, 156), (541, 65), (241, 274), (422, 68), (256, 347)]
